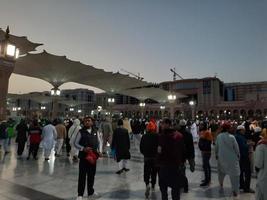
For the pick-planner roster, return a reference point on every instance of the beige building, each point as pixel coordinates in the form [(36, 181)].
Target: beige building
[(212, 98)]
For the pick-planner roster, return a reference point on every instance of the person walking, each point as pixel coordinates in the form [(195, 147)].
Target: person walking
[(4, 136), (189, 151), (204, 144), (261, 168), (227, 154), (171, 155), (72, 134), (245, 164), (21, 139), (87, 143), (49, 135), (61, 135), (106, 131), (35, 133), (148, 147), (121, 145)]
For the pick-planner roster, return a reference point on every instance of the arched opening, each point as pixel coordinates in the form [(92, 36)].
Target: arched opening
[(250, 113)]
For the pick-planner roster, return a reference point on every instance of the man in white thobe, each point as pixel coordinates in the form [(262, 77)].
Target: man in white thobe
[(49, 135), (261, 167), (193, 130), (227, 153)]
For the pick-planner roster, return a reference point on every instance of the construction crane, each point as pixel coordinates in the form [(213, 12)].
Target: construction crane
[(175, 74), (135, 75)]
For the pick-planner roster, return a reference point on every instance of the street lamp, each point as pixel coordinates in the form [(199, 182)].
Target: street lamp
[(162, 108), (172, 98), (55, 92), (111, 101), (142, 106), (8, 55), (192, 105)]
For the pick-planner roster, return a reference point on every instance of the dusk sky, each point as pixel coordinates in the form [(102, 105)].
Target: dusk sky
[(200, 38)]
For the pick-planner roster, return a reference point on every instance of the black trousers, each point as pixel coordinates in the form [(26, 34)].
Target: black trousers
[(86, 171), (206, 166), (245, 174), (33, 150), (68, 147), (150, 171), (21, 146), (170, 176), (183, 168)]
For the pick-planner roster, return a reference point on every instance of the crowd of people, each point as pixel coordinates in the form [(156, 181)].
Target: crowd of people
[(167, 146)]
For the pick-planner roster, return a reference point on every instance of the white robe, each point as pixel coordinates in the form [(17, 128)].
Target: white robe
[(261, 163), (227, 151), (72, 133), (49, 135), (194, 133)]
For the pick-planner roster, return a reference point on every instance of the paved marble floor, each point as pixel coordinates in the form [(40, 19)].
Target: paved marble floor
[(56, 179)]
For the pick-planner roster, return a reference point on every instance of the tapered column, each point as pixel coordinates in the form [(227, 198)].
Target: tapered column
[(54, 108), (5, 73)]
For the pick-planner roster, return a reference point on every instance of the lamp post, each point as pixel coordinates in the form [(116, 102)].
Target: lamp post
[(172, 98), (192, 105), (162, 108), (8, 55), (142, 106), (55, 93), (111, 102)]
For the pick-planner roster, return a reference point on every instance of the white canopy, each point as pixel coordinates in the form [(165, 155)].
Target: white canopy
[(58, 70)]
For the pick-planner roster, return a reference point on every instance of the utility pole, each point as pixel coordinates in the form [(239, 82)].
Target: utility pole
[(175, 74)]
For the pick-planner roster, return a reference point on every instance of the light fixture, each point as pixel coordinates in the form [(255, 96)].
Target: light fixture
[(14, 109), (191, 103), (111, 100), (55, 91), (18, 108), (79, 111), (8, 50), (171, 97), (142, 104), (71, 109), (43, 107), (162, 107)]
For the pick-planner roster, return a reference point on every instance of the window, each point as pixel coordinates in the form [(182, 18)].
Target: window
[(230, 94), (206, 87), (183, 86)]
